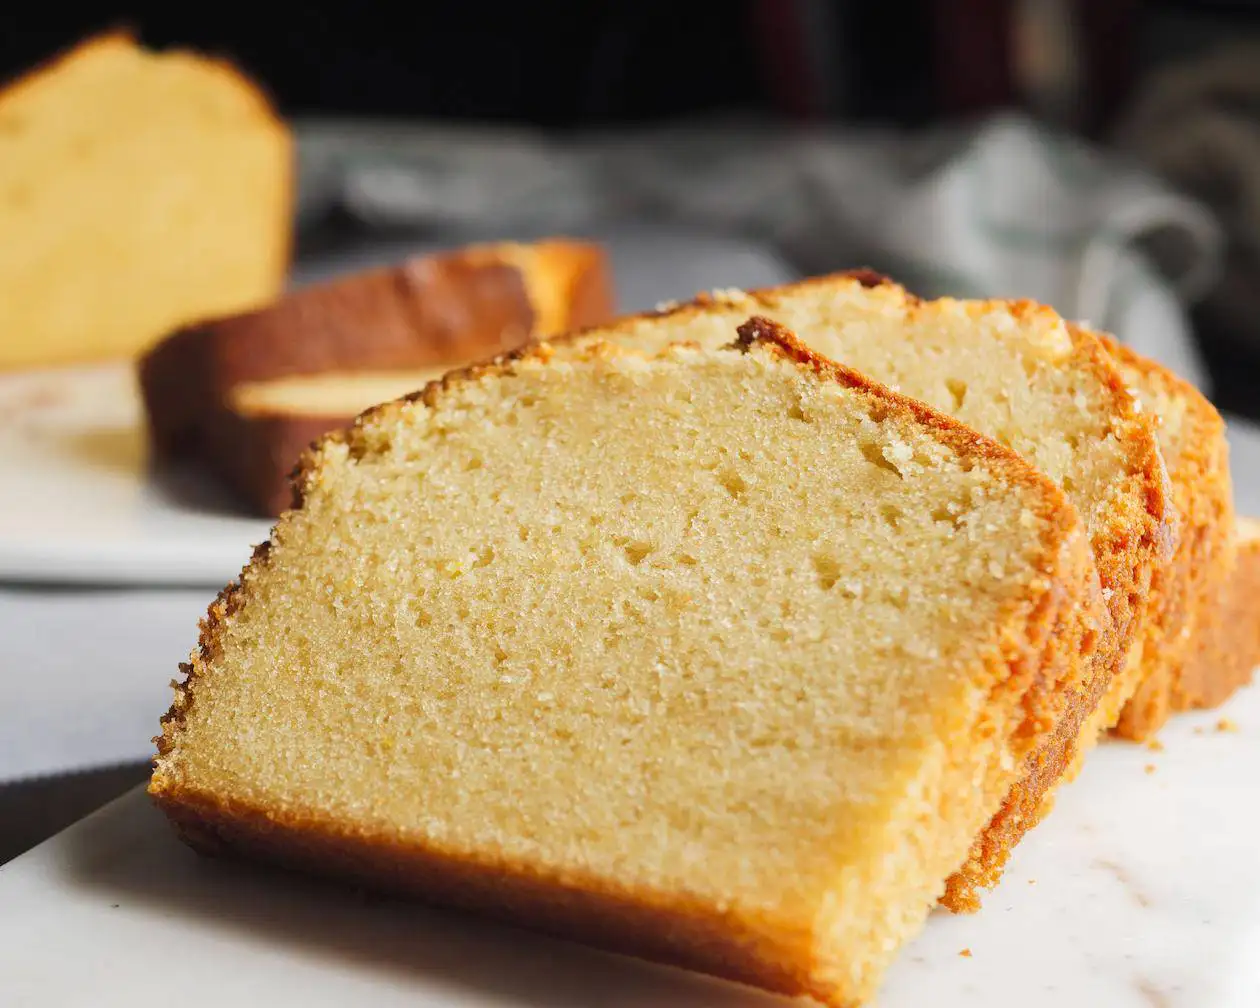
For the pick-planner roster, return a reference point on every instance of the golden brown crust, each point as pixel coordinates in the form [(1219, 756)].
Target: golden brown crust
[(1185, 595), (1065, 664), (1139, 541), (416, 314), (1039, 665), (1225, 653), (590, 294), (431, 310), (1131, 551), (1136, 543), (1204, 498)]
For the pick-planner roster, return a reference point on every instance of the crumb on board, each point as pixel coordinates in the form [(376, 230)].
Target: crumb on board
[(1155, 745), (1149, 768), (1226, 725), (1032, 881), (965, 953), (1198, 729)]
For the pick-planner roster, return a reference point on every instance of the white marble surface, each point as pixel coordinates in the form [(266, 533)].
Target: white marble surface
[(78, 503), (84, 674), (1142, 890)]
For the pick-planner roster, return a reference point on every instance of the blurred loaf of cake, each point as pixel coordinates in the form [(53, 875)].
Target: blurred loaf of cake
[(139, 191), (247, 393)]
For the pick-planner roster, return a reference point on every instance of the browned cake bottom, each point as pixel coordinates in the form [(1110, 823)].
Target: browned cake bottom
[(622, 922)]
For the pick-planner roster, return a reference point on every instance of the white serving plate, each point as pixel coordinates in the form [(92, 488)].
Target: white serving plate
[(1142, 890), (78, 503)]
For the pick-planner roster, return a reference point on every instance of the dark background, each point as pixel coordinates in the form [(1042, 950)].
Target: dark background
[(576, 64), (567, 66)]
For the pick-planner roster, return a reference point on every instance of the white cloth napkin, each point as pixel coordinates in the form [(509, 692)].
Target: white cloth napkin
[(1000, 208)]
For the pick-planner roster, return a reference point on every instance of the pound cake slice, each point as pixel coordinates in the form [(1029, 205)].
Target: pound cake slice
[(1185, 604), (248, 393), (1018, 373), (140, 191), (1227, 652), (720, 657)]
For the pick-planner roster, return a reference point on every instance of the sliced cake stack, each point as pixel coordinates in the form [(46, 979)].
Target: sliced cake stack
[(707, 647)]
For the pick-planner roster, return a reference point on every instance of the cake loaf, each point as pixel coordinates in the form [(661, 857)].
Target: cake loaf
[(140, 191), (720, 657), (1018, 373), (247, 393)]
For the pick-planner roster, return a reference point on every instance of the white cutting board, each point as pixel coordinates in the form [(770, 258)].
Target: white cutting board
[(1142, 890), (78, 503)]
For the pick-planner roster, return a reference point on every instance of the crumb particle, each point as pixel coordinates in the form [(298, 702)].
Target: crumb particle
[(965, 953), (1155, 745), (1226, 725), (1149, 768), (1154, 996)]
